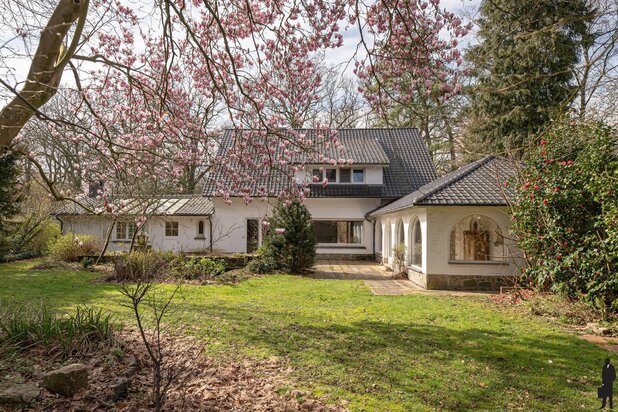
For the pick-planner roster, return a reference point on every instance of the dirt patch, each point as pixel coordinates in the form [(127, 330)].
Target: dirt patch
[(204, 383), (610, 344)]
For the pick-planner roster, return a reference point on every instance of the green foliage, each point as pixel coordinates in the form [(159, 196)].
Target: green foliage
[(524, 65), (145, 265), (196, 267), (27, 327), (264, 261), (566, 213), (290, 242), (87, 262), (9, 190), (70, 247)]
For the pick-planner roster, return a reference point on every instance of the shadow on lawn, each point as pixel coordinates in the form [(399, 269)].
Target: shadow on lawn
[(437, 365)]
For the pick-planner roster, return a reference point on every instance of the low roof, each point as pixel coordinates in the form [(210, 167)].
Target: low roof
[(190, 205), (481, 183), (402, 152)]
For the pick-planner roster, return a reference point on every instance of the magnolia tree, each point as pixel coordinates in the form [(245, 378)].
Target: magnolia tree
[(148, 82)]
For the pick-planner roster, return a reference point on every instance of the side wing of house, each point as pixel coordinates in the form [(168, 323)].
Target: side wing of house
[(454, 231)]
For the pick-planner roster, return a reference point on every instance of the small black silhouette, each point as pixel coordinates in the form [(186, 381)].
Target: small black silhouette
[(606, 390)]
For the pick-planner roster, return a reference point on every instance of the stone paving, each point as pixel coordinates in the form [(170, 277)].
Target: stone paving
[(375, 276)]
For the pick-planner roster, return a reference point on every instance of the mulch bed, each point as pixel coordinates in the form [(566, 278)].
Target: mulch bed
[(203, 384)]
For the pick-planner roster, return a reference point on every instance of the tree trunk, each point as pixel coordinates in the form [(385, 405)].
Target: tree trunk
[(109, 235), (46, 68)]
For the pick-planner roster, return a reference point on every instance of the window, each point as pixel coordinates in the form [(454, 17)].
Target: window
[(343, 175), (343, 232), (476, 238), (125, 230), (417, 244), (171, 228), (200, 228), (253, 235), (331, 175)]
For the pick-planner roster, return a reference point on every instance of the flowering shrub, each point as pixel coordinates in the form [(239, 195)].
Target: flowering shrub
[(290, 242), (566, 213), (70, 247)]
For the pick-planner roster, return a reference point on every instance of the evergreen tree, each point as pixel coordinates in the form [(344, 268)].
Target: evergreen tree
[(9, 191), (523, 67), (290, 241)]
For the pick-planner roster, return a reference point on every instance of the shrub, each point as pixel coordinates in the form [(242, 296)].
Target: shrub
[(290, 243), (399, 265), (27, 327), (196, 267), (565, 214), (264, 262), (144, 265), (69, 247)]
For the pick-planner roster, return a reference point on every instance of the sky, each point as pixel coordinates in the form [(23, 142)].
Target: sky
[(340, 56)]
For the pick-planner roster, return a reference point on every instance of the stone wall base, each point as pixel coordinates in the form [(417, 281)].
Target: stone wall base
[(468, 282)]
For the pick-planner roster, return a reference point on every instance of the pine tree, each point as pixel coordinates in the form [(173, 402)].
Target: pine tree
[(523, 65), (291, 240), (9, 190)]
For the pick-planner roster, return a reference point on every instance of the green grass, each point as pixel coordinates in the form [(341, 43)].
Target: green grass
[(382, 353)]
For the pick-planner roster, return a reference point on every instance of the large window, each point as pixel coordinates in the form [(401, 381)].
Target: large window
[(343, 232), (417, 244), (476, 238), (125, 230), (171, 229)]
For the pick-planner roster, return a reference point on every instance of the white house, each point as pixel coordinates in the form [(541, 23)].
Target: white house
[(454, 228)]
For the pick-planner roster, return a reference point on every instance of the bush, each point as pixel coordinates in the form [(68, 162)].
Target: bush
[(196, 267), (27, 327), (565, 214), (69, 247), (290, 242), (145, 265), (264, 262)]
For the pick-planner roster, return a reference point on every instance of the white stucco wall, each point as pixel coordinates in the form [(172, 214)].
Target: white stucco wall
[(230, 221), (186, 241)]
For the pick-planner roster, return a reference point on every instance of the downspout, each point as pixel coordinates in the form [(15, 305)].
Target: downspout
[(373, 238), (61, 224), (210, 230)]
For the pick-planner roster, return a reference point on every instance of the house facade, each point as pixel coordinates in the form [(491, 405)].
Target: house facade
[(453, 230)]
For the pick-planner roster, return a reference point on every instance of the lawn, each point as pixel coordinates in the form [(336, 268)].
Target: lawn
[(381, 353)]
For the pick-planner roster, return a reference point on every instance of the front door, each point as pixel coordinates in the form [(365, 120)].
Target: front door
[(253, 235)]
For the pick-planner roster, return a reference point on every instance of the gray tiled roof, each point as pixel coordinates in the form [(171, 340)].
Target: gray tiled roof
[(406, 160), (478, 183), (164, 205)]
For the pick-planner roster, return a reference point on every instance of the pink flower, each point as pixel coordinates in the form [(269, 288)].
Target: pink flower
[(279, 231)]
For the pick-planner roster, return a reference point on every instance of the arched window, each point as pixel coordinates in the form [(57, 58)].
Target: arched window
[(476, 238), (200, 228), (417, 243)]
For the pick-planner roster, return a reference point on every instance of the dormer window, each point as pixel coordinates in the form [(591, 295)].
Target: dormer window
[(342, 175)]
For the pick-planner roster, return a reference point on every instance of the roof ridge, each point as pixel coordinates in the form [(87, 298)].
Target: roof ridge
[(472, 167)]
